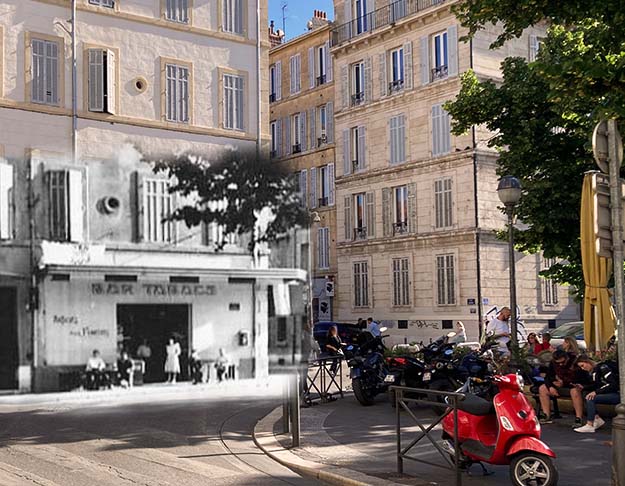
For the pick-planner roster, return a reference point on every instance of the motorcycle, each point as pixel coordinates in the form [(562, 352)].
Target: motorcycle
[(368, 368), (501, 431)]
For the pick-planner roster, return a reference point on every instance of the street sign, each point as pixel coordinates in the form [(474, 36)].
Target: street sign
[(603, 221), (600, 146)]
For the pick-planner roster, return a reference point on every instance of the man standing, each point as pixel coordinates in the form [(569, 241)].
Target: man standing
[(499, 328), (373, 327), (144, 352)]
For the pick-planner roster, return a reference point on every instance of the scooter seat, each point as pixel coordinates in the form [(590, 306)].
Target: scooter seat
[(475, 405)]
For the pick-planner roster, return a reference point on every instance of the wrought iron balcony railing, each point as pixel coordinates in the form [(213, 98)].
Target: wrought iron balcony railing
[(360, 233), (439, 72), (358, 98), (400, 228)]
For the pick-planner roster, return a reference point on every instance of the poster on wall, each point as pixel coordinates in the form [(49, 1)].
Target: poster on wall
[(325, 309)]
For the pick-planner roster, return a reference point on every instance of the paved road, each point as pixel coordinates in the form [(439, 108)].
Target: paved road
[(158, 443)]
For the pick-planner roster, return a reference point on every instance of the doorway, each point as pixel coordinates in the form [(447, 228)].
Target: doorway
[(156, 324), (9, 354)]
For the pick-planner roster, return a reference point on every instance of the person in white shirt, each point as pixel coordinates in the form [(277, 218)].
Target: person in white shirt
[(499, 327), (95, 371), (373, 327), (461, 334)]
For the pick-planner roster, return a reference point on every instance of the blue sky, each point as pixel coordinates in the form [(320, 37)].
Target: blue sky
[(297, 12)]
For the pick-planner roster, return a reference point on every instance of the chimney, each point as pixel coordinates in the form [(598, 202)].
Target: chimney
[(319, 19), (275, 36)]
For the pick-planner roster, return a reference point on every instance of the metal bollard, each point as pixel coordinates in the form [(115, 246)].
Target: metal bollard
[(294, 412), (618, 446), (285, 406)]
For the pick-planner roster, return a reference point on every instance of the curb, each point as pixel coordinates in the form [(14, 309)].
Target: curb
[(265, 439)]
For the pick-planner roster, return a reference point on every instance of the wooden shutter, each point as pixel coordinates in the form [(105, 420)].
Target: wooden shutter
[(320, 247), (408, 76), (387, 212), (292, 73), (392, 136), (298, 77), (330, 122), (330, 173), (368, 81), (311, 66), (312, 121), (401, 138), (349, 218), (328, 55), (345, 85), (96, 80), (370, 210), (412, 207), (278, 80), (313, 187), (362, 147), (52, 71), (76, 206), (278, 137), (303, 135), (348, 11), (287, 135), (424, 61), (383, 76), (445, 131), (303, 186), (6, 200), (347, 162), (436, 129), (111, 82), (452, 46)]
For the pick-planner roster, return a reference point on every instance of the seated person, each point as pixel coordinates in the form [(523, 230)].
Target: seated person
[(333, 347), (221, 363), (563, 376), (604, 389), (95, 371), (125, 370), (545, 345), (196, 367)]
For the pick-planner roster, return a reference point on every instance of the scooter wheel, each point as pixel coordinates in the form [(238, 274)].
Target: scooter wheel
[(533, 469)]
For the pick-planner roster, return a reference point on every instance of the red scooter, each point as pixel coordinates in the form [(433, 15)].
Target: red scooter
[(501, 432)]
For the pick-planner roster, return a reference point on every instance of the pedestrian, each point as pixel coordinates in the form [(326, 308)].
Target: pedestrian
[(195, 364), (172, 362), (361, 323), (125, 370), (570, 345), (562, 379), (144, 353), (334, 348), (533, 346), (95, 371), (604, 389), (222, 363), (499, 329), (373, 327), (461, 334)]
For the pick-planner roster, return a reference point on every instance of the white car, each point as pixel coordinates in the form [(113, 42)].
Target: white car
[(575, 329)]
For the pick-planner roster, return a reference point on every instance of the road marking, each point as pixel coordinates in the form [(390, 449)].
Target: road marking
[(13, 476)]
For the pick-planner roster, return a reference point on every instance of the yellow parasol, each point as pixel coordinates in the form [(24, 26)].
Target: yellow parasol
[(599, 316)]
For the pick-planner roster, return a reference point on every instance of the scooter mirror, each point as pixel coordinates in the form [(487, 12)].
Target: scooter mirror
[(451, 334), (383, 329)]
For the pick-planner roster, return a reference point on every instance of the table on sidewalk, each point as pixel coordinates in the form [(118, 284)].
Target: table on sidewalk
[(323, 384)]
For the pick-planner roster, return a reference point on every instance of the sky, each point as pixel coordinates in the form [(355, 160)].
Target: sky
[(297, 13)]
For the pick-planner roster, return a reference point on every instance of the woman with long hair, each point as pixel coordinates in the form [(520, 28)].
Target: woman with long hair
[(570, 345), (604, 389), (533, 346)]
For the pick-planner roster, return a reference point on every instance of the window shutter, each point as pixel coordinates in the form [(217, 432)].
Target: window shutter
[(436, 130), (311, 66), (6, 201), (303, 135), (370, 16), (96, 80), (298, 70), (312, 121), (424, 61), (401, 138), (368, 81), (111, 82), (347, 162), (452, 46), (330, 173), (449, 203), (348, 13), (349, 219), (278, 80), (303, 186), (412, 207), (292, 72), (362, 148), (533, 53), (328, 56), (387, 212), (313, 187), (370, 210), (383, 77), (320, 247), (278, 138), (139, 209), (408, 65), (76, 206), (52, 51), (37, 93), (345, 85), (330, 122), (287, 135), (445, 131)]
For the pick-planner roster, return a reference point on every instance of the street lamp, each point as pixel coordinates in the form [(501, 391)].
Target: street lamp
[(509, 192), (314, 219)]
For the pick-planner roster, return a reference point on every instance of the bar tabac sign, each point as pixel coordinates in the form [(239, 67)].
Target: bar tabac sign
[(150, 289)]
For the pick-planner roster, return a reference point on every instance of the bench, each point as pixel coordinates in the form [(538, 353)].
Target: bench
[(567, 402)]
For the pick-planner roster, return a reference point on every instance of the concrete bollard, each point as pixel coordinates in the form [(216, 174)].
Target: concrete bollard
[(618, 446)]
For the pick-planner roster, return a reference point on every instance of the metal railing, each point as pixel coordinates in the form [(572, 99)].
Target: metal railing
[(323, 201), (360, 233), (395, 86), (358, 98), (355, 165), (321, 80), (403, 397), (297, 148), (272, 98), (322, 140), (379, 18), (400, 228), (326, 380), (439, 72)]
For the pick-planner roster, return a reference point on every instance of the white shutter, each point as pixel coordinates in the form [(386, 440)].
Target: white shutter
[(330, 122), (96, 79), (424, 61), (348, 13), (452, 46), (412, 207), (298, 73), (278, 80), (303, 136), (328, 60), (368, 81), (347, 162), (345, 85), (313, 187), (320, 238), (52, 72), (287, 135), (330, 173), (393, 139), (362, 148), (370, 214), (436, 129), (312, 121), (401, 138), (278, 138), (445, 132), (408, 65), (111, 82), (533, 53), (76, 206), (383, 77), (303, 186), (292, 73), (311, 66), (6, 200), (348, 221)]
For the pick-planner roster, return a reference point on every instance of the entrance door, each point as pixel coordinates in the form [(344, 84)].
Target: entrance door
[(9, 356), (156, 324)]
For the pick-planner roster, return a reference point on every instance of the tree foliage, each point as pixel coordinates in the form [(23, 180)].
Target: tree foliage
[(245, 195)]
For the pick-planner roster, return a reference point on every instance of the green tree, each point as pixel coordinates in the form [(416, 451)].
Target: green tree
[(251, 190)]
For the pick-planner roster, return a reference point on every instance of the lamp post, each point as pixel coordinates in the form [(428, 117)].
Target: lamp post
[(314, 219), (509, 192)]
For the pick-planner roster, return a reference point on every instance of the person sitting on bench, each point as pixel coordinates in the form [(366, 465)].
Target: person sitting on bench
[(125, 370), (222, 363), (95, 371), (604, 389)]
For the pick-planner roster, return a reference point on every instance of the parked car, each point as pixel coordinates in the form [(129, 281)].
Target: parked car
[(348, 333), (575, 329)]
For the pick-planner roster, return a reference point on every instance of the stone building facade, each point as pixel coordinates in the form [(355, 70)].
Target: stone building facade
[(417, 208)]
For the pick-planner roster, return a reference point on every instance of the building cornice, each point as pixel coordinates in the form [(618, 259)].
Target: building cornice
[(302, 38)]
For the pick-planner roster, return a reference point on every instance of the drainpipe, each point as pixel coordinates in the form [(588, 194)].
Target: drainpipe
[(258, 73), (74, 85)]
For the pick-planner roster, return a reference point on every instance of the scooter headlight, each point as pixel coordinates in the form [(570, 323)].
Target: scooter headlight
[(506, 423), (520, 381)]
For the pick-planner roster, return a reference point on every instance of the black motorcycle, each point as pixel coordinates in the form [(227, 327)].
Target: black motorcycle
[(368, 368)]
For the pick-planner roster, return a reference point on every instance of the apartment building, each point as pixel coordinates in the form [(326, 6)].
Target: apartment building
[(417, 207), (87, 257), (301, 95)]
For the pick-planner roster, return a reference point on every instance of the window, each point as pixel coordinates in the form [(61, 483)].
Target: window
[(296, 132), (274, 139), (446, 280), (102, 80), (233, 16), (326, 185), (323, 246), (360, 14), (157, 208), (320, 65), (177, 93), (358, 83), (7, 208), (45, 72), (401, 282), (398, 139), (215, 234), (281, 330), (233, 102), (400, 210), (361, 284), (323, 124), (295, 64), (397, 70), (275, 73), (535, 44), (65, 205), (357, 148), (103, 3), (303, 186), (177, 10), (550, 286), (440, 58), (441, 131), (443, 203), (360, 216)]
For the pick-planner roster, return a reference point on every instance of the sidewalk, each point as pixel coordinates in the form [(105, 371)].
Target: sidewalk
[(343, 434)]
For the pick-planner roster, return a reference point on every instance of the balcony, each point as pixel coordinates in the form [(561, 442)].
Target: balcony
[(439, 72), (322, 140), (395, 86), (358, 98), (355, 165), (297, 148), (360, 233), (272, 98), (321, 80), (382, 17), (400, 228), (323, 201)]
